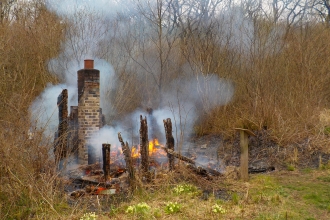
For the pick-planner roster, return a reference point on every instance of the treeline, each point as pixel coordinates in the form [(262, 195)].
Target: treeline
[(274, 53)]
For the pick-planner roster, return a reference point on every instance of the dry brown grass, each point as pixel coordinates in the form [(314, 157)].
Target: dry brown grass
[(28, 182), (284, 91)]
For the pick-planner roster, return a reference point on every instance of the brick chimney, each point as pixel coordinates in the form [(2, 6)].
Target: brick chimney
[(89, 112)]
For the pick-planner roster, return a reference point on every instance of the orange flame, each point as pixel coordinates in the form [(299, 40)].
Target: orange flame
[(135, 152), (152, 146), (154, 149)]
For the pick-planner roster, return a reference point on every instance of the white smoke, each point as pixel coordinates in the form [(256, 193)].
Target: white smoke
[(44, 110), (198, 93), (106, 7), (182, 104)]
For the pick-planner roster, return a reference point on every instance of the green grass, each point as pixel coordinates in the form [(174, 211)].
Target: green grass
[(279, 195)]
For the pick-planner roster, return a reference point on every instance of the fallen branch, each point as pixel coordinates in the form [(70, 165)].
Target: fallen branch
[(197, 167), (199, 171), (177, 155)]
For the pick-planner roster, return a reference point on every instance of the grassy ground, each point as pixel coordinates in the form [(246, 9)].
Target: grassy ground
[(299, 195)]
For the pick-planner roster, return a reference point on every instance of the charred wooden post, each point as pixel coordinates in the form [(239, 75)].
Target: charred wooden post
[(60, 149), (129, 164), (144, 146), (169, 141), (244, 143), (106, 161), (73, 132)]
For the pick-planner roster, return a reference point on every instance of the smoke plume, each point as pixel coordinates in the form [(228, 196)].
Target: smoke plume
[(188, 97)]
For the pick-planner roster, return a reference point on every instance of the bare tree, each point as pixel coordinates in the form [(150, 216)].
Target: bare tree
[(6, 9), (322, 8), (154, 42)]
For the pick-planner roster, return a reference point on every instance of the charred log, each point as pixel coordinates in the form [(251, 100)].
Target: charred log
[(128, 159), (177, 155), (192, 163), (169, 142)]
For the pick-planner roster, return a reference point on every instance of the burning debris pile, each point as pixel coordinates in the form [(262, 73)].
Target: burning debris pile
[(124, 167), (121, 168)]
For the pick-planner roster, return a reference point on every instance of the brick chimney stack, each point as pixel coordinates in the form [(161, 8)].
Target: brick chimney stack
[(89, 112)]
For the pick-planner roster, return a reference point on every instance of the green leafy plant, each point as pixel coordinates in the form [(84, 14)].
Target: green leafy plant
[(184, 188), (290, 167), (89, 216), (171, 207), (140, 208), (218, 209)]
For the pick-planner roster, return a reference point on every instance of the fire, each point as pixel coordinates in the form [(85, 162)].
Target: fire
[(152, 146), (154, 149), (135, 152), (99, 190)]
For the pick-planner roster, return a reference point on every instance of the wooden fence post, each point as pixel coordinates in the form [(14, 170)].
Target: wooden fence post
[(244, 161)]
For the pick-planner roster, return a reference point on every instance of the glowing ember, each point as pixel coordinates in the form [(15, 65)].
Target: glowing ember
[(99, 190)]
